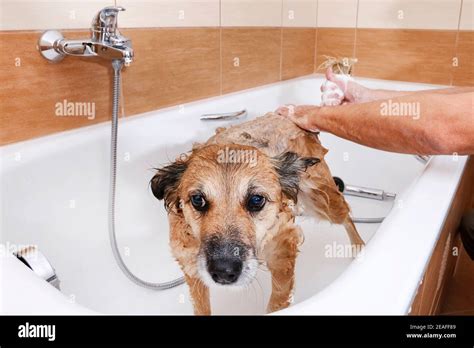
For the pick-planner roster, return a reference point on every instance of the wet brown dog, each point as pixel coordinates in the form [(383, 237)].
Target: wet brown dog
[(232, 204)]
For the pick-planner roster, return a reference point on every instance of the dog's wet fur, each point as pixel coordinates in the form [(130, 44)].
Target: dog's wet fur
[(228, 217)]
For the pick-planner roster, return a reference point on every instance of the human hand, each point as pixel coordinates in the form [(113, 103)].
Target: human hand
[(305, 116), (335, 89)]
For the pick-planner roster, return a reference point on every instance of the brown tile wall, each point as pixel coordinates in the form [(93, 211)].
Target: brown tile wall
[(334, 42), (298, 50), (178, 65), (403, 54), (463, 75), (250, 57), (30, 87), (172, 66)]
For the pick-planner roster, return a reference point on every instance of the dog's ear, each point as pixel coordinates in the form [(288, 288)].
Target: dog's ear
[(289, 167), (165, 182)]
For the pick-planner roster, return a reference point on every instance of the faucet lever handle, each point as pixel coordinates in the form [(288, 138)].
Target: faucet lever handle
[(104, 24), (111, 11)]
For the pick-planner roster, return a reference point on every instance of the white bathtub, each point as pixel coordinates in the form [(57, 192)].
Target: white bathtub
[(55, 192)]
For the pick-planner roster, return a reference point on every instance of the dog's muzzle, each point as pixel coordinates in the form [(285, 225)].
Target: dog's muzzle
[(225, 260)]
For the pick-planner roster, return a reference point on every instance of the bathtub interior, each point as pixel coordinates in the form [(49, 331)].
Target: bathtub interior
[(55, 196)]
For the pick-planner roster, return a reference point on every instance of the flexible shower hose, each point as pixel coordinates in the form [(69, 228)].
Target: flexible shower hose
[(117, 65)]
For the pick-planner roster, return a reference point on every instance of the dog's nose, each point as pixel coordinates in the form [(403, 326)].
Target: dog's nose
[(225, 270)]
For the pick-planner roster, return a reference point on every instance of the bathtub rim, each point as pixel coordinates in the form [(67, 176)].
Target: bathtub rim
[(318, 304)]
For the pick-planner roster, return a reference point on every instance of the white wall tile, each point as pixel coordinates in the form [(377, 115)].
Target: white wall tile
[(467, 15), (337, 13), (49, 14), (78, 14), (409, 14), (258, 13), (299, 13), (170, 13)]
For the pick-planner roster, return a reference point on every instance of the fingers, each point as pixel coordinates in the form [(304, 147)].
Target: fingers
[(331, 94), (339, 80), (330, 75), (292, 111), (335, 89), (301, 115), (286, 110)]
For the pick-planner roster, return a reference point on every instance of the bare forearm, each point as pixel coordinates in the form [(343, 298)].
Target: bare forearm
[(442, 126), (367, 95)]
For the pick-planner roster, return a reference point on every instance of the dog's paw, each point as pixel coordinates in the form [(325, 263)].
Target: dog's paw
[(273, 307)]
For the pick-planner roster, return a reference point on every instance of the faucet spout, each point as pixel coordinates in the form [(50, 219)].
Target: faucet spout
[(106, 41), (79, 48)]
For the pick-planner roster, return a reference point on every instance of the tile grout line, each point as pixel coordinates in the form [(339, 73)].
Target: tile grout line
[(315, 51), (354, 51), (220, 47), (456, 44), (281, 42)]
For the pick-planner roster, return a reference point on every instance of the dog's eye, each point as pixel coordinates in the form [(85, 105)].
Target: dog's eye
[(255, 203), (198, 202)]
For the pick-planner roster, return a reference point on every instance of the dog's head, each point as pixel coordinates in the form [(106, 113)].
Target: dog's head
[(230, 197)]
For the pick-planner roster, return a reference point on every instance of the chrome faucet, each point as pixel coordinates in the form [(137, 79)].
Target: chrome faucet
[(106, 41)]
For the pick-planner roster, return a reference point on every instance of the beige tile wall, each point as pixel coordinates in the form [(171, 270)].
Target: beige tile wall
[(262, 13), (380, 14), (49, 14), (409, 14), (467, 15), (300, 13), (337, 13), (169, 13)]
